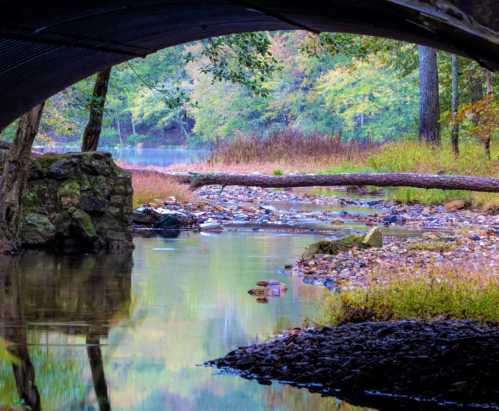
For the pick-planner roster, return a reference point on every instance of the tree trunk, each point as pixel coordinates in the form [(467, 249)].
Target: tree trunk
[(455, 104), (134, 131), (476, 86), (429, 104), (14, 178), (94, 126), (490, 90), (447, 182), (118, 128)]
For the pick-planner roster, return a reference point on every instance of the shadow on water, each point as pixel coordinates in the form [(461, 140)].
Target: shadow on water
[(67, 295)]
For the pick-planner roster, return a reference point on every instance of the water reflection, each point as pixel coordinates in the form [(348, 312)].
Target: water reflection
[(101, 336), (13, 331), (162, 157), (71, 296)]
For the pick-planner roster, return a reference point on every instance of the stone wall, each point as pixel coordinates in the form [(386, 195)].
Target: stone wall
[(77, 202)]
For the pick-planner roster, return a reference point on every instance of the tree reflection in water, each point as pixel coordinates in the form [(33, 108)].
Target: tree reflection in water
[(74, 296), (13, 330)]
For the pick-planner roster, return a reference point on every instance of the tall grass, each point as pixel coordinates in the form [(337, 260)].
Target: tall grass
[(423, 158), (151, 186), (450, 292), (289, 146)]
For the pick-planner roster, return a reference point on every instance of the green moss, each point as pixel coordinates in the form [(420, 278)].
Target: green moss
[(37, 229), (44, 162), (69, 188), (68, 194), (29, 199), (84, 223)]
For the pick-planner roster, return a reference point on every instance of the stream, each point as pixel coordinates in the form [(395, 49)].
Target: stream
[(184, 301), (130, 332)]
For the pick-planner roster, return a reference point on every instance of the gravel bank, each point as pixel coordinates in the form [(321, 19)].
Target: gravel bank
[(443, 360)]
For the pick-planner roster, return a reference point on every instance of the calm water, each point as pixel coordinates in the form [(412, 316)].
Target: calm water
[(159, 156), (145, 327), (162, 157)]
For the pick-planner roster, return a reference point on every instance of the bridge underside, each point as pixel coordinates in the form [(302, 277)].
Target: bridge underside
[(50, 45)]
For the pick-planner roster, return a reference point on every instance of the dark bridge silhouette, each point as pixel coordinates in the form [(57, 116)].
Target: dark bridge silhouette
[(52, 44)]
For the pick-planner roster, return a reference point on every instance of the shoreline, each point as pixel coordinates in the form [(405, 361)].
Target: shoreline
[(440, 362)]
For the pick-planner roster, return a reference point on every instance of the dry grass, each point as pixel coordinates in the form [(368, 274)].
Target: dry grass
[(450, 292), (150, 186), (290, 147), (210, 167)]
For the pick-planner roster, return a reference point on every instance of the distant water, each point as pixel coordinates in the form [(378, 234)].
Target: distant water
[(161, 157)]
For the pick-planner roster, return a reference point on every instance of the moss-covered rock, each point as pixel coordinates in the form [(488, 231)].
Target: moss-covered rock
[(37, 229), (374, 238), (83, 222), (68, 194), (67, 204), (332, 247)]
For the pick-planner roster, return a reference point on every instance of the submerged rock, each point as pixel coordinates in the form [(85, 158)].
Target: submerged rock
[(268, 288)]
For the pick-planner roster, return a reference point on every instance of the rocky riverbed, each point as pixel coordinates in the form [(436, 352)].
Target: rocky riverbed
[(417, 237), (441, 361)]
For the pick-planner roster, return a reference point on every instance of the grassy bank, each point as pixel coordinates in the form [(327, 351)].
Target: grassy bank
[(421, 158), (294, 152), (288, 152), (448, 292)]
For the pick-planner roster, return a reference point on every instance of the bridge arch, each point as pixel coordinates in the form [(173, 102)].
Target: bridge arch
[(50, 45)]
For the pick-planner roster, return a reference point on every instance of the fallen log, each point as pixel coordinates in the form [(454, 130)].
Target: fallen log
[(446, 182)]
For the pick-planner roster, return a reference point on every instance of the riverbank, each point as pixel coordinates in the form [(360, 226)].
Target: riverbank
[(438, 361)]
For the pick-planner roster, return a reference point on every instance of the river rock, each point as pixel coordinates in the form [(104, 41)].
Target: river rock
[(333, 247), (394, 219), (455, 205), (77, 202), (374, 238), (175, 220), (145, 216), (268, 288)]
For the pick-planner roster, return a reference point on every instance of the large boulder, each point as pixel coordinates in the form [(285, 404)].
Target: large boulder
[(77, 202)]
